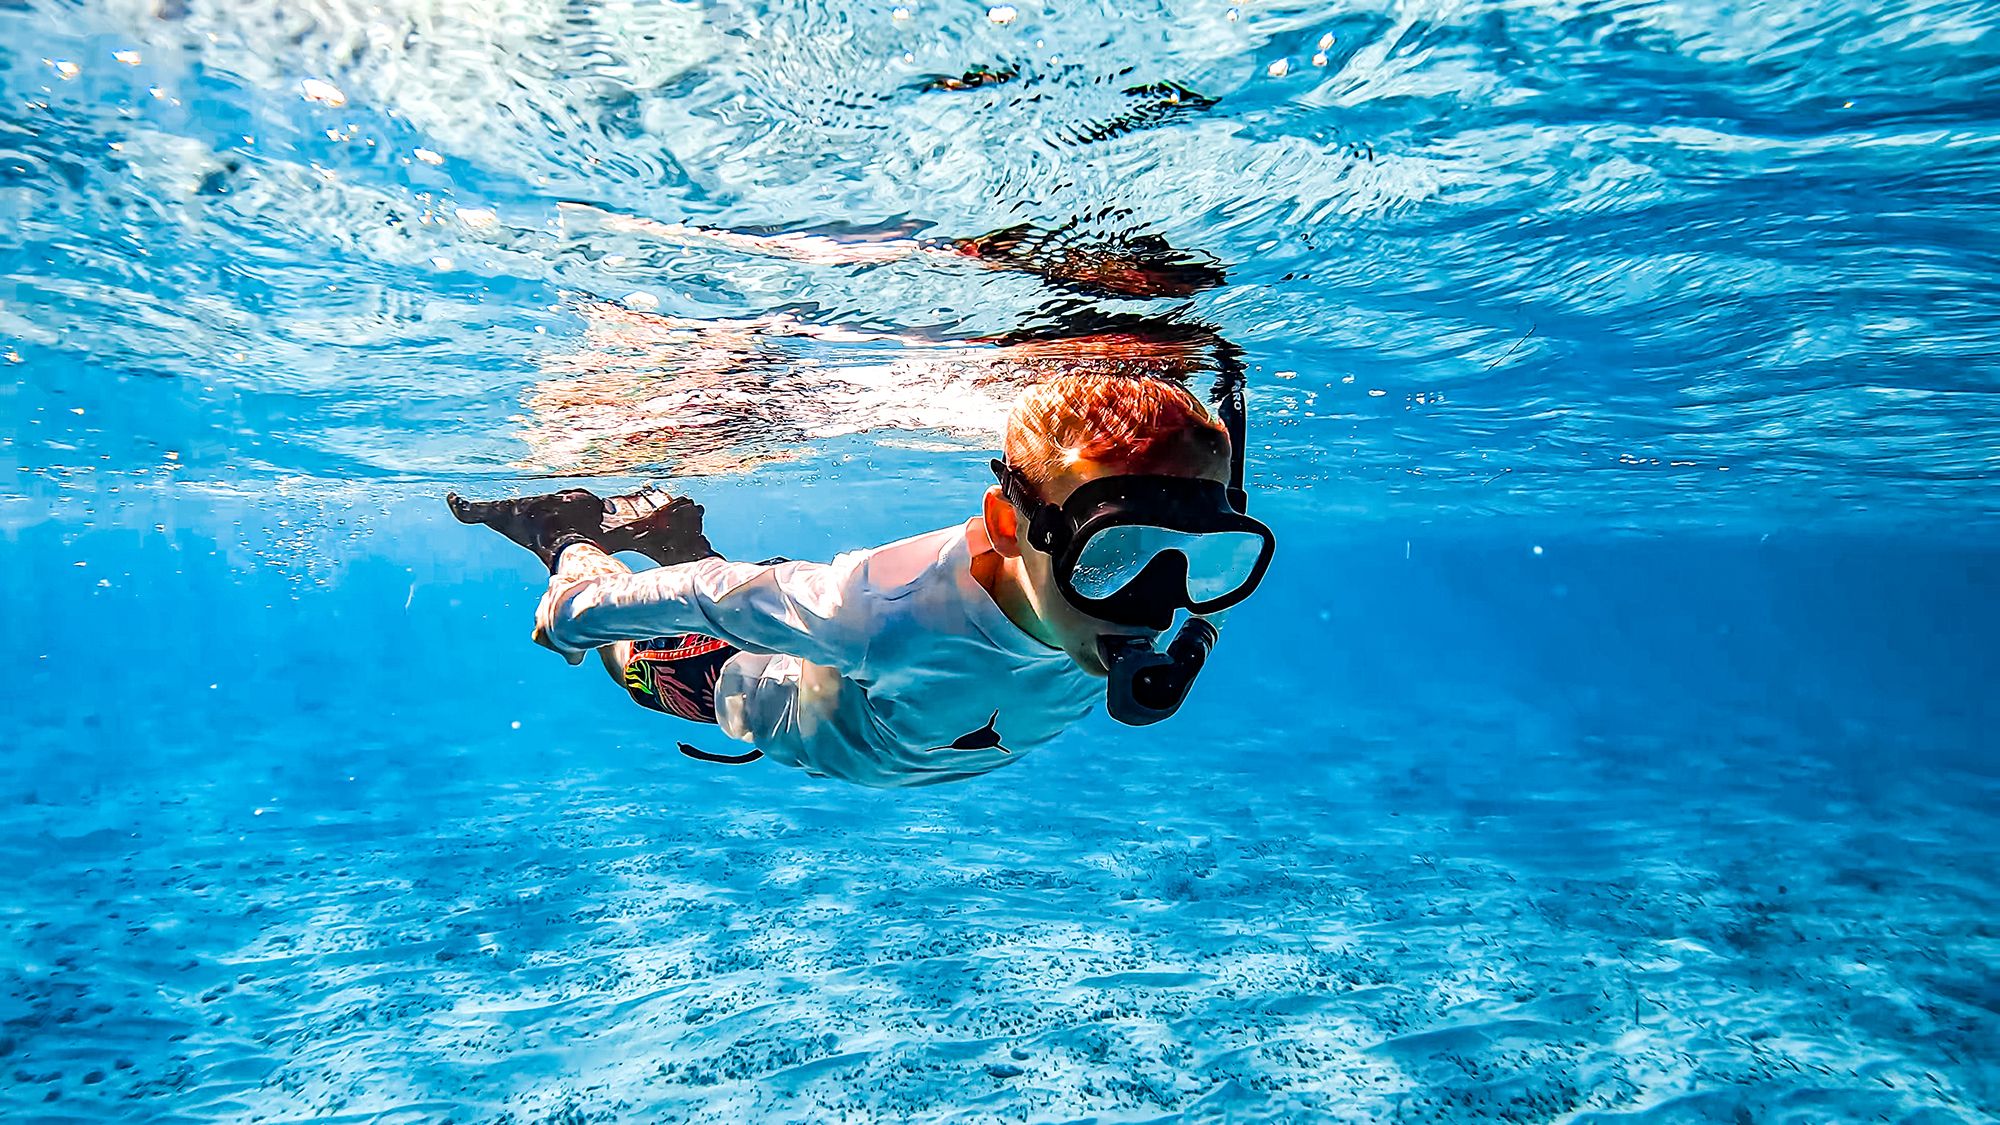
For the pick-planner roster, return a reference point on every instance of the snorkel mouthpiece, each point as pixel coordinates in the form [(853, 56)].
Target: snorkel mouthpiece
[(1146, 685)]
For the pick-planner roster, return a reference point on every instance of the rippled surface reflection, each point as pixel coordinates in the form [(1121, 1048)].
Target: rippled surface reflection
[(1653, 263)]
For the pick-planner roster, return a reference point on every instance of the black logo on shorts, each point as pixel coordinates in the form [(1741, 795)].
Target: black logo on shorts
[(985, 738)]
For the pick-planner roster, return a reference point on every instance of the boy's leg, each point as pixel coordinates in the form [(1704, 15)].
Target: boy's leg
[(615, 657), (575, 533), (674, 675)]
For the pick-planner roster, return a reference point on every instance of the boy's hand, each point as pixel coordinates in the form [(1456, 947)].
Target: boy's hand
[(541, 637)]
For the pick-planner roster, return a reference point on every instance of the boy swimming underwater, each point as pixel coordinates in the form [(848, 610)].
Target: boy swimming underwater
[(939, 657)]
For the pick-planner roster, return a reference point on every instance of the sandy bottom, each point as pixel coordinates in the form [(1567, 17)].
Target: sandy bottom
[(1284, 925)]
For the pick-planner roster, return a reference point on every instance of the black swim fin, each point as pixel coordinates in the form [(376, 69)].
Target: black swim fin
[(657, 524), (543, 524)]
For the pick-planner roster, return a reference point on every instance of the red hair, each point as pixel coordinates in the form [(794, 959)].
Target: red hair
[(1135, 423)]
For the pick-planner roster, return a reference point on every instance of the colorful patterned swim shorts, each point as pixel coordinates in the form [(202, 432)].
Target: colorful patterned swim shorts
[(676, 675)]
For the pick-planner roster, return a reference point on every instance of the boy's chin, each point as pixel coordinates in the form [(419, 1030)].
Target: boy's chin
[(1089, 661)]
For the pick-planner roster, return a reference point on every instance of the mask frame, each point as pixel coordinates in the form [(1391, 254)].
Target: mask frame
[(1190, 505)]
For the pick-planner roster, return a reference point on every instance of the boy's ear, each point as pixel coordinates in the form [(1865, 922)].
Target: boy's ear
[(1003, 523)]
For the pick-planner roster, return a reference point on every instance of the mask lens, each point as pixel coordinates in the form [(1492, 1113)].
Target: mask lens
[(1221, 562), (1218, 562)]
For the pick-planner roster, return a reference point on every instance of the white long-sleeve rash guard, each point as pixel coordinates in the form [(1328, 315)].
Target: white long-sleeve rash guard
[(887, 667)]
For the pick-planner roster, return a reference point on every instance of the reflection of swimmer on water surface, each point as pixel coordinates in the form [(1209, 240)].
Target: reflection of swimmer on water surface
[(650, 392), (644, 391), (1118, 504), (1080, 255)]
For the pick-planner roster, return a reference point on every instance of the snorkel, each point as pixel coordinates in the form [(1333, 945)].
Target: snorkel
[(1145, 685)]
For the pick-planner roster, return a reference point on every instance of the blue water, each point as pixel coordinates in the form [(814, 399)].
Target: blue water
[(1612, 741)]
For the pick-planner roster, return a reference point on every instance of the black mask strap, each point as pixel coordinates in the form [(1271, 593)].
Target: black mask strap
[(1012, 486), (1047, 529), (1227, 395)]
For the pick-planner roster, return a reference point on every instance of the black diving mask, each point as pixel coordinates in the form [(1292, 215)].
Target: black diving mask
[(1134, 550)]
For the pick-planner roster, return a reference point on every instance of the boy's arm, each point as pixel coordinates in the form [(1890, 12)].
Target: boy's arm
[(792, 608)]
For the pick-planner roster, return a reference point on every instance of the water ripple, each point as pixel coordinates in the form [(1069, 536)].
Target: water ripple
[(1549, 235)]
